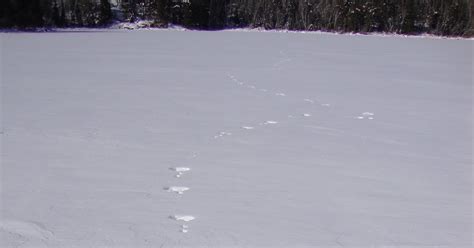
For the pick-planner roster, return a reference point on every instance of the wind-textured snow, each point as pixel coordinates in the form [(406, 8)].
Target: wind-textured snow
[(278, 139)]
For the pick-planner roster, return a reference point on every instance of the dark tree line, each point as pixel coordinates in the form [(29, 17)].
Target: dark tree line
[(447, 17), (444, 17), (54, 13)]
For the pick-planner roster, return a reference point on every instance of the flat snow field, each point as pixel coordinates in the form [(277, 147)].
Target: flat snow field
[(235, 139)]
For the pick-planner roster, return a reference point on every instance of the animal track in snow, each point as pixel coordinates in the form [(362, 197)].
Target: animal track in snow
[(177, 189), (233, 78), (270, 123), (185, 218), (222, 134), (368, 115), (280, 62), (180, 170)]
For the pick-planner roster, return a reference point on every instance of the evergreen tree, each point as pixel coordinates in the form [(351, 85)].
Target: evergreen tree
[(407, 17), (105, 15), (6, 11), (62, 16), (56, 15)]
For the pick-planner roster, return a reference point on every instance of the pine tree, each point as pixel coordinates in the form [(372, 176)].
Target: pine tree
[(55, 14), (6, 10), (105, 15), (62, 16), (408, 17)]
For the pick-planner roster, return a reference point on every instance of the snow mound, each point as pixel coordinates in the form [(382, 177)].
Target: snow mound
[(185, 218)]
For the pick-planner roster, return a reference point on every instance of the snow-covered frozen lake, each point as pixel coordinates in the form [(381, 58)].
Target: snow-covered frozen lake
[(235, 139)]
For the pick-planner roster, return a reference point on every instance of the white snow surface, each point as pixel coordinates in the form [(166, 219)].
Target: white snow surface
[(91, 121)]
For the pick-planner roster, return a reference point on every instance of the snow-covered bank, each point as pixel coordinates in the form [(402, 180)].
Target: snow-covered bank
[(148, 25), (378, 34), (145, 25), (235, 139)]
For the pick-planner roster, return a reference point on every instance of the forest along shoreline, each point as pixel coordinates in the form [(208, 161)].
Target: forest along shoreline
[(450, 18)]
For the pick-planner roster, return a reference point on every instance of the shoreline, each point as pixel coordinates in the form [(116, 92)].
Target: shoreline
[(117, 27)]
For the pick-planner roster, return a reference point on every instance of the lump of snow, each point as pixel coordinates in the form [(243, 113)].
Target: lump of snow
[(180, 169), (185, 218), (271, 122), (176, 189), (248, 127)]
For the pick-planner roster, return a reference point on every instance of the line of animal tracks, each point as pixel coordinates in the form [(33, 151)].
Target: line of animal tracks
[(184, 219)]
